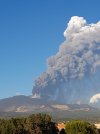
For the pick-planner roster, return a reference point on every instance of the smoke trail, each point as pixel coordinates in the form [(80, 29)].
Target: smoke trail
[(73, 74)]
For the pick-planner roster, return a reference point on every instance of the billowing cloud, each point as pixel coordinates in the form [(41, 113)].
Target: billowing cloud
[(36, 96), (79, 29), (95, 98), (75, 69)]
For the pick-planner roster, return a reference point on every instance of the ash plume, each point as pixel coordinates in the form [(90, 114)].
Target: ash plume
[(73, 73)]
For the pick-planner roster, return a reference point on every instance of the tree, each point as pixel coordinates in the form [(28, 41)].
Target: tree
[(80, 127), (40, 123)]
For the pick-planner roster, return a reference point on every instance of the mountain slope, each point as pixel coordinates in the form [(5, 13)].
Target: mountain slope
[(26, 104)]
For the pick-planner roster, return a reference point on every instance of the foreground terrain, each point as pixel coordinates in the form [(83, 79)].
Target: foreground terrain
[(43, 124)]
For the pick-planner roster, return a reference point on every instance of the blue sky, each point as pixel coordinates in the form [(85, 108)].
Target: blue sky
[(30, 32)]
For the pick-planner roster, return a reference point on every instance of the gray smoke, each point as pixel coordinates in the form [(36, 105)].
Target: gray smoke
[(73, 74)]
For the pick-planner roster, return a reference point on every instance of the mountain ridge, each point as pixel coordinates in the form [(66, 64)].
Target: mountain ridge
[(26, 104)]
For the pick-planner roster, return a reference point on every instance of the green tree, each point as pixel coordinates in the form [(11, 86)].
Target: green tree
[(19, 124), (40, 123), (80, 127)]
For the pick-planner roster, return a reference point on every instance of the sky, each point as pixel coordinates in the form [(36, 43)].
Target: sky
[(30, 32)]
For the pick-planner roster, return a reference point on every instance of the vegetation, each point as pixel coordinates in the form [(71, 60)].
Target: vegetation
[(80, 127), (34, 124), (43, 124)]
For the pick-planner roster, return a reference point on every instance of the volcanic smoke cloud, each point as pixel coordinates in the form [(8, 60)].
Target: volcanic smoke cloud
[(95, 98), (73, 74)]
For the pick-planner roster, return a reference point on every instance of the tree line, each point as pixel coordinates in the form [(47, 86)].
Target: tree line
[(43, 124), (34, 124)]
